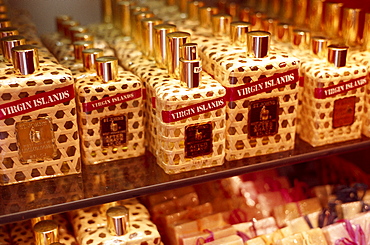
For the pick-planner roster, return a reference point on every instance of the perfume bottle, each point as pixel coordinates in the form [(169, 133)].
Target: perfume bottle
[(110, 114), (38, 121), (261, 96), (4, 235), (73, 60), (334, 99), (117, 225), (190, 114), (87, 69)]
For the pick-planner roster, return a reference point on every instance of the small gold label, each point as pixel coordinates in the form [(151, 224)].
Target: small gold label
[(35, 139), (113, 130), (344, 112), (198, 139), (263, 117)]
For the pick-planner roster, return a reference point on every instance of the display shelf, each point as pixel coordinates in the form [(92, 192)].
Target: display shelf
[(134, 177)]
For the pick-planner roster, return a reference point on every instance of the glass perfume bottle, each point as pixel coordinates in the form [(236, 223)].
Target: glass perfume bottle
[(261, 96), (38, 121), (190, 116), (115, 225), (110, 113), (334, 99)]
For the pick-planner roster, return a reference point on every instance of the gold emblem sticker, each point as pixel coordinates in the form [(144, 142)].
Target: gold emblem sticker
[(35, 139), (198, 139)]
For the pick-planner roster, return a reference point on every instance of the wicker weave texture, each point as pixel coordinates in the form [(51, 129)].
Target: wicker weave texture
[(317, 124), (233, 69), (90, 89), (63, 117)]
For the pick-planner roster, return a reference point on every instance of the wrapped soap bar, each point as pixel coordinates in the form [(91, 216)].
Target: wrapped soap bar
[(314, 237), (268, 200), (272, 238), (349, 210), (4, 235), (304, 223), (255, 241), (209, 235), (337, 231), (295, 239), (230, 240), (257, 227)]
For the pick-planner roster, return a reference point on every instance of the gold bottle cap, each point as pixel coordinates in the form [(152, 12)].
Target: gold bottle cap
[(174, 41), (138, 32), (274, 8), (59, 22), (160, 43), (337, 55), (221, 5), (125, 21), (46, 232), (3, 15), (258, 44), (190, 66), (284, 32), (300, 12), (9, 42), (147, 26), (89, 56), (78, 47), (246, 14), (68, 24), (83, 36), (232, 8), (183, 5), (34, 221), (133, 10), (5, 23), (270, 25), (350, 26), (205, 16), (193, 9), (301, 39), (366, 34), (286, 11), (76, 29), (8, 31), (319, 46), (118, 220), (332, 19), (221, 25), (107, 68), (107, 11), (25, 59), (238, 33), (256, 20), (315, 13), (115, 13), (3, 8)]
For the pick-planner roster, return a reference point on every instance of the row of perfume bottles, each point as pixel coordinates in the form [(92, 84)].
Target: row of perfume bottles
[(122, 222)]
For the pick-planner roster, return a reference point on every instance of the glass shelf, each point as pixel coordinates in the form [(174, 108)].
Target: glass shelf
[(134, 177)]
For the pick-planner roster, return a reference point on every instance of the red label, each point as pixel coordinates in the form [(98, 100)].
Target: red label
[(153, 102), (108, 101), (262, 85), (322, 93), (193, 110), (301, 81), (37, 102)]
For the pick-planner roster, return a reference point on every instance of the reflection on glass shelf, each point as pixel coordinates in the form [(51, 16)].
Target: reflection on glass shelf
[(138, 176)]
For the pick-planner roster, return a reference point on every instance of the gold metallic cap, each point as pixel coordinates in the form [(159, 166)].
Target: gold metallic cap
[(148, 37), (182, 4), (319, 46), (245, 14), (193, 9), (9, 42), (160, 43), (284, 32), (107, 68), (332, 19), (274, 8), (84, 36), (5, 23), (190, 65), (34, 221), (258, 44), (300, 12), (8, 31), (366, 35), (25, 59), (256, 20), (137, 38), (68, 24), (337, 55), (118, 220), (205, 15), (238, 32), (124, 17), (3, 8), (115, 13), (46, 232), (106, 6), (59, 22), (89, 56), (270, 25), (76, 29), (78, 47), (286, 11), (221, 25), (133, 10), (174, 41), (3, 15), (350, 26), (301, 39), (315, 13), (233, 8)]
